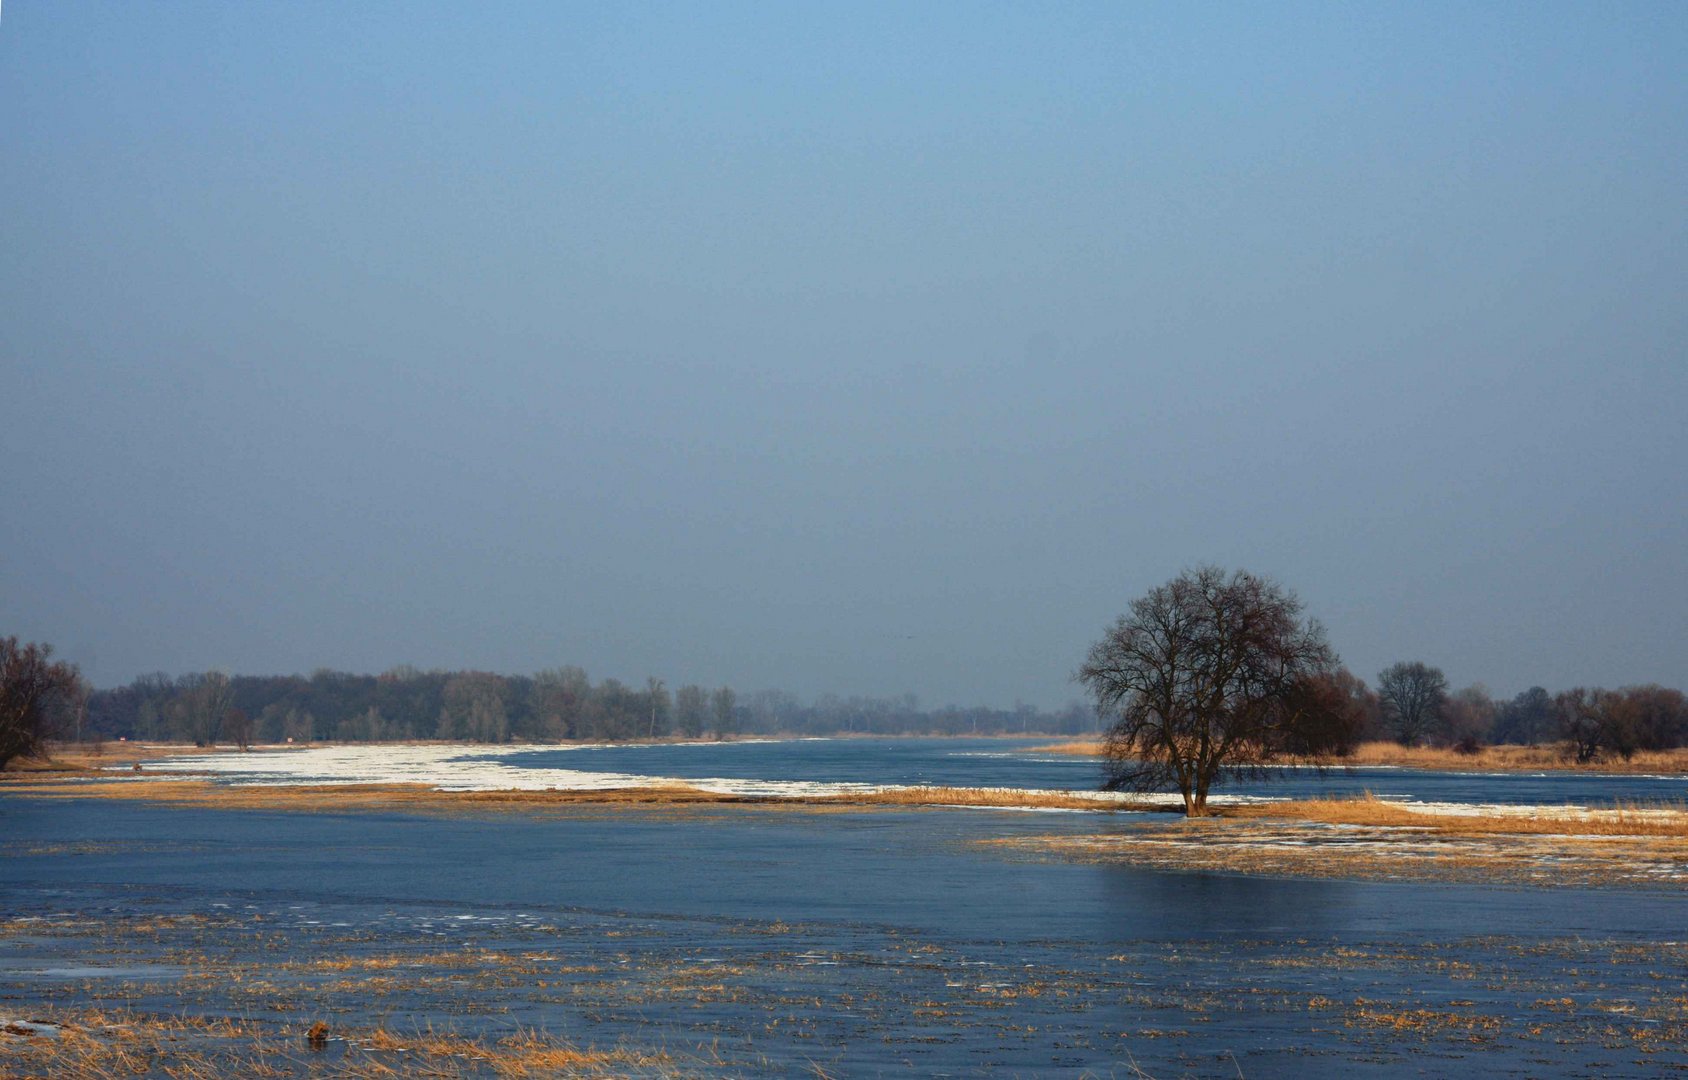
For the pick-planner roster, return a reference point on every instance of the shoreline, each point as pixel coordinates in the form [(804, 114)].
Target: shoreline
[(197, 791), (1489, 759), (1364, 838)]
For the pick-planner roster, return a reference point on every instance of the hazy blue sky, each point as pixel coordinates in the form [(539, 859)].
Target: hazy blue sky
[(840, 348)]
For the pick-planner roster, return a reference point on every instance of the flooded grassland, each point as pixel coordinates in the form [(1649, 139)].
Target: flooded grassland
[(721, 933)]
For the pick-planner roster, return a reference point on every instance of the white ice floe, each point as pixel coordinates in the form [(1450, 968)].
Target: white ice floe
[(28, 1028), (465, 768), (462, 768)]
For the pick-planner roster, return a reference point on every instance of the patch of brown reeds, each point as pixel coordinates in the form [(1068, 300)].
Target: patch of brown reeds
[(95, 759), (363, 796), (93, 1045), (1075, 748), (1663, 819), (1513, 759), (1445, 759), (420, 797), (1006, 798)]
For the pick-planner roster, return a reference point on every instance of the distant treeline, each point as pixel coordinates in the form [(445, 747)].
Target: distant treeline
[(1413, 705), (479, 706)]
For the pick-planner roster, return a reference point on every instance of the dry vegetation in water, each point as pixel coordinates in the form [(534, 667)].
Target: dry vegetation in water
[(93, 1045), (1367, 838), (1001, 798), (374, 797), (420, 797), (91, 759), (1662, 819), (1486, 759), (1513, 759)]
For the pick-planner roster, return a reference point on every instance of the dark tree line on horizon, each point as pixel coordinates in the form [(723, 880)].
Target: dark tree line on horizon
[(1218, 674), (1412, 704), (477, 706)]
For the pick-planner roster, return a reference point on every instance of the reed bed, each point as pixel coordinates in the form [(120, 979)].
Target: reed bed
[(1652, 819), (95, 1045), (1443, 759), (993, 797), (366, 796), (403, 797), (1512, 759), (1073, 748)]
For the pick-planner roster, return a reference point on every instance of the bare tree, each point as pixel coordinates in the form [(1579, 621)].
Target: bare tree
[(1467, 720), (725, 704), (1413, 695), (472, 708), (238, 726), (1528, 718), (35, 694), (1595, 722), (558, 702), (200, 704), (1658, 714), (1212, 674), (657, 691), (691, 710), (1583, 722)]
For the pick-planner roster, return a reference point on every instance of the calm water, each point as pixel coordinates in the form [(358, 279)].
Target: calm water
[(881, 943), (1005, 763)]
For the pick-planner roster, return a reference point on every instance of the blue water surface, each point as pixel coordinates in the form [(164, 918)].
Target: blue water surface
[(1000, 762)]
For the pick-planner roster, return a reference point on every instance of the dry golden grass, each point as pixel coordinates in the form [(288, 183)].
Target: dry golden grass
[(86, 759), (1487, 759), (1669, 820), (1007, 798), (1511, 759), (93, 1045), (419, 797), (375, 797), (1280, 848), (1075, 748)]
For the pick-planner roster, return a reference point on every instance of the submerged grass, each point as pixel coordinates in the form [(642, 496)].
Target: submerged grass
[(86, 1044), (1634, 845)]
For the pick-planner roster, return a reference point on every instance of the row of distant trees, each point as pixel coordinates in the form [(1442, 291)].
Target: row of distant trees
[(478, 706), (39, 697), (1219, 673), (1413, 705)]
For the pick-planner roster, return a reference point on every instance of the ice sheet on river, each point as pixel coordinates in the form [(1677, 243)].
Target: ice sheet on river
[(458, 768)]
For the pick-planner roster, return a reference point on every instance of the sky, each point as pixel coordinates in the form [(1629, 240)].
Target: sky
[(840, 348)]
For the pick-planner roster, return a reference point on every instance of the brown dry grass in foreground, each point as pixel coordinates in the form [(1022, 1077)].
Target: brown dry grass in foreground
[(100, 758), (1006, 798), (1487, 759), (1513, 759), (361, 796), (1658, 819), (86, 759), (92, 1045), (410, 797), (1289, 848)]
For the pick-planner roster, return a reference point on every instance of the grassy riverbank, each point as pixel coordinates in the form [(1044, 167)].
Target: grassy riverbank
[(1486, 759)]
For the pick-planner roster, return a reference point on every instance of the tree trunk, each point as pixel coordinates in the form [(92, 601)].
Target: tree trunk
[(1197, 807)]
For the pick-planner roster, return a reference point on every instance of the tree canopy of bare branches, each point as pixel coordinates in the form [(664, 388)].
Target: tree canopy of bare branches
[(34, 692), (1413, 696), (1211, 674)]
